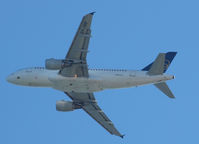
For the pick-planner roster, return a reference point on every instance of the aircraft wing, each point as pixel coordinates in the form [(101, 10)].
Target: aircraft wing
[(89, 105), (76, 64)]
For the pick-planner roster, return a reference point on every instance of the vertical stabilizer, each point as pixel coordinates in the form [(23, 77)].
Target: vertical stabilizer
[(157, 67), (168, 59)]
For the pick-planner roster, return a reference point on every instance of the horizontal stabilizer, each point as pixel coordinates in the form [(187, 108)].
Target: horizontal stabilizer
[(158, 65), (165, 89)]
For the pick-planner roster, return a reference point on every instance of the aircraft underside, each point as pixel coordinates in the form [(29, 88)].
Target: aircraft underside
[(87, 85)]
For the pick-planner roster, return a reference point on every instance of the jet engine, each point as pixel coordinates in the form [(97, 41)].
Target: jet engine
[(66, 106), (54, 64)]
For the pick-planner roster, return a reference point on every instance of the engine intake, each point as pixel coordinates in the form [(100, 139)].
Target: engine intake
[(66, 106), (54, 64)]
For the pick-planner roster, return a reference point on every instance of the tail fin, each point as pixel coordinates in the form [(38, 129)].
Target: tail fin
[(169, 56), (165, 89), (159, 66)]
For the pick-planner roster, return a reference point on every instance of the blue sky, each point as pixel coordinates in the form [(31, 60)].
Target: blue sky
[(125, 34)]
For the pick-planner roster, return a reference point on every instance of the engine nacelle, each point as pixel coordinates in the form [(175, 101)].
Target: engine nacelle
[(54, 64), (66, 106)]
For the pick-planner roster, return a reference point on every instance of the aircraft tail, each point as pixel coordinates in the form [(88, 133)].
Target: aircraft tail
[(160, 66), (169, 56)]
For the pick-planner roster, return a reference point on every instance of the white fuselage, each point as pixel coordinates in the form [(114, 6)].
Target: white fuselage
[(99, 79)]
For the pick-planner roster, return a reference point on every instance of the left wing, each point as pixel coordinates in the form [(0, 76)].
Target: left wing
[(89, 105), (75, 60)]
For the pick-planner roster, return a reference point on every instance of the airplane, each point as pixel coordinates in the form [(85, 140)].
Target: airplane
[(72, 76)]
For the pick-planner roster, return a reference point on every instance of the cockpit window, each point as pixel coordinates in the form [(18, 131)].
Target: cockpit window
[(18, 77)]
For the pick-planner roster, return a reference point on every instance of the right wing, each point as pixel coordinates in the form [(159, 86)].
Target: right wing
[(89, 105)]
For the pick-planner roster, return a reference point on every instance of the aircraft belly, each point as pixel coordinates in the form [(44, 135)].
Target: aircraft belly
[(81, 85), (85, 85), (113, 84), (125, 82)]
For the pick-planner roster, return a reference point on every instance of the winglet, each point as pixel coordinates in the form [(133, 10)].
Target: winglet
[(92, 13), (122, 136)]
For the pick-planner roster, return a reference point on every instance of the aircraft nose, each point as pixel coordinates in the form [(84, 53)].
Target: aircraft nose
[(10, 79)]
